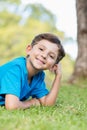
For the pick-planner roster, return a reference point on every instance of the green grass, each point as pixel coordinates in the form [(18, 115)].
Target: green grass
[(69, 113)]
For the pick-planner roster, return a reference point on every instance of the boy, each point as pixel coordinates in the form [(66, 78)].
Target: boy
[(24, 77)]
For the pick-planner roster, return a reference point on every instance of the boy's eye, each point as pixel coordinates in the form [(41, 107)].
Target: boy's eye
[(41, 49), (52, 57)]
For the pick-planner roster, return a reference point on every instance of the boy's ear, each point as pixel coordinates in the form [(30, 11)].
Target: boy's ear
[(28, 49)]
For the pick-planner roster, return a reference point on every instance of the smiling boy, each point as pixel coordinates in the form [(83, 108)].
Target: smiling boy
[(24, 77)]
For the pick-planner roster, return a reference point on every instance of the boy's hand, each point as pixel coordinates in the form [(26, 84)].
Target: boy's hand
[(12, 102), (50, 99), (56, 69), (35, 102)]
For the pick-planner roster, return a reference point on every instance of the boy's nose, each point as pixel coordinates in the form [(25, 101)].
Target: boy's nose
[(44, 55)]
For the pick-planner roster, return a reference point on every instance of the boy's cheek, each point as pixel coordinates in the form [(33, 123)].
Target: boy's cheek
[(50, 66)]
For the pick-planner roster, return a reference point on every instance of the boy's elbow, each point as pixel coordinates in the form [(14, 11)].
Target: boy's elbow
[(10, 106), (11, 102)]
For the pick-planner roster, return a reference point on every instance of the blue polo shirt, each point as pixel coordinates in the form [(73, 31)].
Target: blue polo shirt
[(14, 80)]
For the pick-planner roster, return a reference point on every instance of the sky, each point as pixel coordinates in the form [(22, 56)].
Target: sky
[(65, 12)]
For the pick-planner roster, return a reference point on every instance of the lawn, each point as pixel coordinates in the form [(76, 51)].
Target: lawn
[(69, 113)]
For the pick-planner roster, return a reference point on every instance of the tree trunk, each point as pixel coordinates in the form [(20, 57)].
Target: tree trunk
[(80, 69)]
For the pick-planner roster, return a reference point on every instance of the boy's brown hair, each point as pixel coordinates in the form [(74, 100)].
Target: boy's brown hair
[(52, 38)]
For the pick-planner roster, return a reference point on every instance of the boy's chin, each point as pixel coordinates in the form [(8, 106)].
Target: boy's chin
[(37, 67), (40, 68)]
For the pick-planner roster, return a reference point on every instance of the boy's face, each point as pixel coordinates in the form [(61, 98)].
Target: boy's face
[(42, 55)]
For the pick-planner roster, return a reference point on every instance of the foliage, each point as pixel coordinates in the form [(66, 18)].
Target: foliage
[(40, 13), (8, 19), (17, 31), (69, 113), (67, 67), (11, 1)]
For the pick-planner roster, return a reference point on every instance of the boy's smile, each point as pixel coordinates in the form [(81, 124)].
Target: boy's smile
[(42, 55)]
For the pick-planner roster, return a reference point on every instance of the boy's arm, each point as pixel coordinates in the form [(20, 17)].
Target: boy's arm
[(12, 102), (50, 99)]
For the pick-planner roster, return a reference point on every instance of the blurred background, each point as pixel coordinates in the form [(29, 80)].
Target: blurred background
[(21, 20)]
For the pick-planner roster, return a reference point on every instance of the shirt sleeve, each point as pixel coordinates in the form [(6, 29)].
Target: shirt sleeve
[(11, 82), (40, 89)]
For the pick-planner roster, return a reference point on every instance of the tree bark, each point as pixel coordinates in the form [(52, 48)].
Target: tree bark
[(80, 68)]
